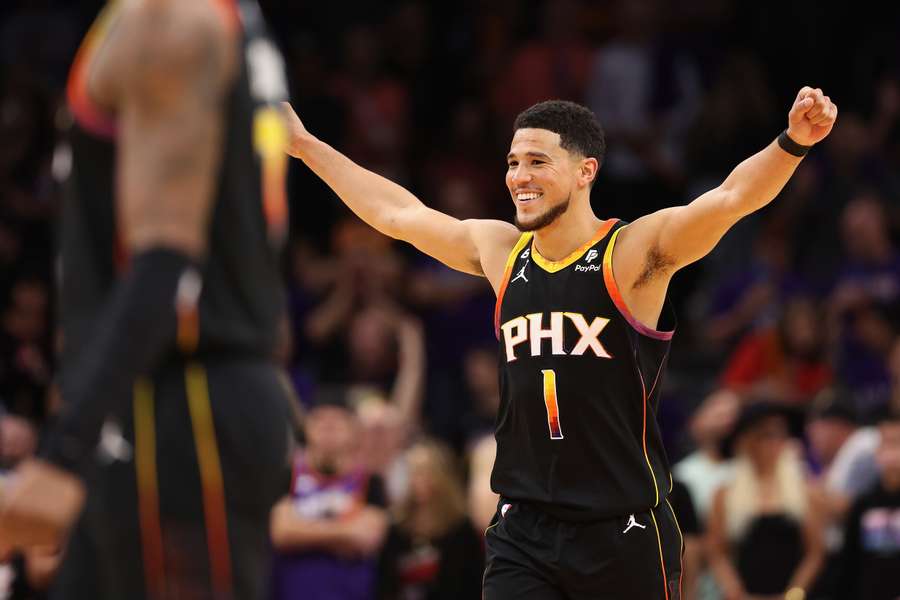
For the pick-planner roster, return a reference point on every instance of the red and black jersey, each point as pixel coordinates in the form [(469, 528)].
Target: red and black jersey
[(579, 380), (241, 299)]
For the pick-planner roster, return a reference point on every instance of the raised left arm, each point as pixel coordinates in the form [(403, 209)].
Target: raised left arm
[(651, 249)]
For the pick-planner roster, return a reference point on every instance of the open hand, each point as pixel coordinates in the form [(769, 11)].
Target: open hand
[(812, 117), (296, 131)]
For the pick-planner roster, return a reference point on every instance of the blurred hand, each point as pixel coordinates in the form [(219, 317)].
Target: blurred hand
[(297, 132), (38, 504), (363, 537), (811, 117), (18, 439)]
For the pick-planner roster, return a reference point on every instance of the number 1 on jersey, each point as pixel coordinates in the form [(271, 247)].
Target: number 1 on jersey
[(550, 403)]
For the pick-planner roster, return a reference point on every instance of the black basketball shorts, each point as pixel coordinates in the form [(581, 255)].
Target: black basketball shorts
[(534, 556), (179, 498)]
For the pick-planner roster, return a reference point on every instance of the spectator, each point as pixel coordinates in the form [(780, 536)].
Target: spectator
[(18, 439), (744, 298), (764, 528), (831, 423), (786, 363), (871, 556), (378, 105), (854, 469), (705, 470), (645, 93), (702, 472), (555, 65), (24, 355), (683, 507), (865, 304), (432, 551), (329, 529)]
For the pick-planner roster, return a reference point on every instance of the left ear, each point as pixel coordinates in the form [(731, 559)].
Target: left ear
[(587, 171)]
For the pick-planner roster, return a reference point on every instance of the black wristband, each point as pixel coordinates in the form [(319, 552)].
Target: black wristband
[(790, 146)]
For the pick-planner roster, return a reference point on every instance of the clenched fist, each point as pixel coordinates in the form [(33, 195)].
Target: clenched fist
[(812, 117)]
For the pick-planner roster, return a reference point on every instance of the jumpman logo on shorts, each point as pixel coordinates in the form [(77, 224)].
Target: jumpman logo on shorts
[(521, 274), (632, 522)]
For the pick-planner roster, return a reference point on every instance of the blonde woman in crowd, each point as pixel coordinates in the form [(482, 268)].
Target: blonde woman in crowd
[(765, 526), (433, 551)]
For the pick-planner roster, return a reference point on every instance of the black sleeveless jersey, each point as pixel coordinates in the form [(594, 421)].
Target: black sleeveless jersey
[(579, 384), (241, 299)]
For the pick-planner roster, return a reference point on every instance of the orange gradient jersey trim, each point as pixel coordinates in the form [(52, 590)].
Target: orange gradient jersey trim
[(507, 273), (613, 288), (84, 110), (212, 483), (148, 489)]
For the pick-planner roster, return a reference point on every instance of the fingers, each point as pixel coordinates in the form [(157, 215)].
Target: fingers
[(803, 93), (801, 106), (828, 114), (820, 106), (814, 106)]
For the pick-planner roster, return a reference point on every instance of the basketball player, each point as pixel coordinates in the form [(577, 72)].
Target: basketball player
[(584, 330), (175, 419)]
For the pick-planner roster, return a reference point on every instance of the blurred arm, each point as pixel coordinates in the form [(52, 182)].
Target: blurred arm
[(482, 500), (361, 534), (409, 385), (475, 246), (814, 545), (718, 551)]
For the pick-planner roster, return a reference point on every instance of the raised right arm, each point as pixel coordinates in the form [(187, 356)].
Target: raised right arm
[(475, 246)]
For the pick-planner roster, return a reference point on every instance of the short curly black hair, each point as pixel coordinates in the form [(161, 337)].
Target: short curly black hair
[(578, 128)]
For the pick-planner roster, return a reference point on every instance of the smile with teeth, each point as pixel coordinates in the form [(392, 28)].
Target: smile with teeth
[(528, 195)]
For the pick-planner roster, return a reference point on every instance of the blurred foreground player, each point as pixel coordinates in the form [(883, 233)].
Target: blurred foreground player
[(585, 332), (175, 418)]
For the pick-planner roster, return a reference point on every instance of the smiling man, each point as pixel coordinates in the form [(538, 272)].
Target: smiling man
[(584, 330)]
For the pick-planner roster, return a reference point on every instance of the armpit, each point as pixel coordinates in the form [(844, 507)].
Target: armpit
[(657, 263)]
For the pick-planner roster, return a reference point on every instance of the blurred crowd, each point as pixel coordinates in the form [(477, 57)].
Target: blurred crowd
[(781, 409)]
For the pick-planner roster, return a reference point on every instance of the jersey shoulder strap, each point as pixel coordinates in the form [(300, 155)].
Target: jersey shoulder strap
[(524, 240)]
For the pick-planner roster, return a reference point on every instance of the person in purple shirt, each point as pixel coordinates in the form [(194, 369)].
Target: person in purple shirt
[(329, 529), (865, 301)]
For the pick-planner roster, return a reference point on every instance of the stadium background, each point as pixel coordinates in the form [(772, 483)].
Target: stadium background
[(425, 93)]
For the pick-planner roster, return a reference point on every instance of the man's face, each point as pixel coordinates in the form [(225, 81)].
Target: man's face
[(541, 177), (330, 430)]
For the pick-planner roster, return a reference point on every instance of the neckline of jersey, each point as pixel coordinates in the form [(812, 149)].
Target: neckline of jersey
[(552, 266)]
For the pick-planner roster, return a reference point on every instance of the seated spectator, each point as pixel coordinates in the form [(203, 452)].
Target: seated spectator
[(25, 367), (692, 558), (786, 363), (432, 551), (705, 470), (864, 307), (18, 439), (385, 435), (854, 470), (764, 528), (329, 529), (830, 424), (871, 556)]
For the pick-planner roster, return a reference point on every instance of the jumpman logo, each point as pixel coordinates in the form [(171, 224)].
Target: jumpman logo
[(632, 522), (521, 274)]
